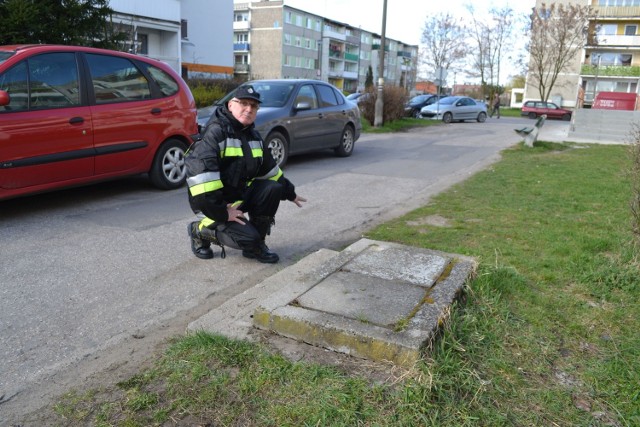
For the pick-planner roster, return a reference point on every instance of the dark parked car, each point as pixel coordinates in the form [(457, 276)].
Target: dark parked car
[(533, 109), (415, 104), (359, 97), (74, 115), (299, 116), (456, 108)]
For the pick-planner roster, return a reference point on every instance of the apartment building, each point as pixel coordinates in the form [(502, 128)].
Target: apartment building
[(613, 64), (193, 36), (609, 63), (273, 40)]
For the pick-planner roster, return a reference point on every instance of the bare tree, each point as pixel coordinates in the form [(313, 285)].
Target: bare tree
[(444, 40), (558, 33), (492, 37)]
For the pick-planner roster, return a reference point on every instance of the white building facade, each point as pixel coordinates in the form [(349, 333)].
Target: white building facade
[(193, 36)]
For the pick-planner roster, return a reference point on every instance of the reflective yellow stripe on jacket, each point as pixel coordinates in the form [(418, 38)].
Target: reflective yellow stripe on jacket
[(204, 183), (232, 147)]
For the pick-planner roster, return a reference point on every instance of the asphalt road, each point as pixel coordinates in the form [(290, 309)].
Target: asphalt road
[(93, 278)]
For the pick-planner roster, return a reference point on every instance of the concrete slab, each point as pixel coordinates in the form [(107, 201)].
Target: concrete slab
[(376, 300)]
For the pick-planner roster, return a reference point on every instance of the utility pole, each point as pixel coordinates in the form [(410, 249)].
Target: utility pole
[(378, 118)]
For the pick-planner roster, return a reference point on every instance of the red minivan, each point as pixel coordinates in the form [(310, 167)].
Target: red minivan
[(73, 115)]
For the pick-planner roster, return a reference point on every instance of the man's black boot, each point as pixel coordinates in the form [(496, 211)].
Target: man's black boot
[(262, 254), (200, 247)]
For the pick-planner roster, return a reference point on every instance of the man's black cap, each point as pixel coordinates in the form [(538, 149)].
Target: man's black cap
[(247, 92)]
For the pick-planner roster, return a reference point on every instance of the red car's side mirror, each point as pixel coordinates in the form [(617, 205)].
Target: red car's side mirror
[(4, 98)]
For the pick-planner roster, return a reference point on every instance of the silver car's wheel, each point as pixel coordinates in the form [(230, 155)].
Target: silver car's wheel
[(279, 146), (482, 117), (346, 143), (417, 114), (168, 170), (447, 118)]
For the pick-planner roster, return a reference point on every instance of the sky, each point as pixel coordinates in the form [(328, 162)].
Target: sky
[(405, 18)]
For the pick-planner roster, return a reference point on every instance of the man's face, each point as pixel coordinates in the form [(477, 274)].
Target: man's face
[(244, 110)]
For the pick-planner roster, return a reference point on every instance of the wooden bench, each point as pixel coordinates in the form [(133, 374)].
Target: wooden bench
[(530, 133)]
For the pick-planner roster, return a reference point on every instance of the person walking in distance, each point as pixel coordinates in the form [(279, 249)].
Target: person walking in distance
[(495, 105), (230, 174)]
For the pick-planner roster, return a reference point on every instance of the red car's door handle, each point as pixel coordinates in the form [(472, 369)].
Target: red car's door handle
[(156, 111), (76, 120)]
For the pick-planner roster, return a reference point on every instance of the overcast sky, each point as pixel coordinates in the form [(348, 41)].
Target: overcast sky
[(405, 18)]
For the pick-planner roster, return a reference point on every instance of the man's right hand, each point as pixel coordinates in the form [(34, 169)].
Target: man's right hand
[(235, 215)]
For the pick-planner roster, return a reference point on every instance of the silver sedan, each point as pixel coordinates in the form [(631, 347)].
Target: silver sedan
[(456, 108)]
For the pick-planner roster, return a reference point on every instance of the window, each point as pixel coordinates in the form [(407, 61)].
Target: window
[(308, 95), (630, 30), (610, 58), (116, 80), (241, 17), (15, 83), (168, 86), (143, 44), (327, 96), (184, 28), (608, 30), (618, 2), (53, 81)]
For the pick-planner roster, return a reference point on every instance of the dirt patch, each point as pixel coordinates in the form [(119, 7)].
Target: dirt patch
[(435, 220)]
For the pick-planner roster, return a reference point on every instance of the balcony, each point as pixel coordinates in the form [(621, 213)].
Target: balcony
[(241, 25), (351, 57), (332, 34), (242, 47), (610, 70), (613, 40), (241, 68), (350, 74), (617, 11), (376, 46)]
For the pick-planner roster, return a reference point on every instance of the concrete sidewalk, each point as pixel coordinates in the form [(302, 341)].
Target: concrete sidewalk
[(375, 300)]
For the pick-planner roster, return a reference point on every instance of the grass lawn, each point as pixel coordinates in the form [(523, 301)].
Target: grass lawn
[(546, 336)]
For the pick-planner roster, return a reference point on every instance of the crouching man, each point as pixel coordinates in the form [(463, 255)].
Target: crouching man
[(230, 174)]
